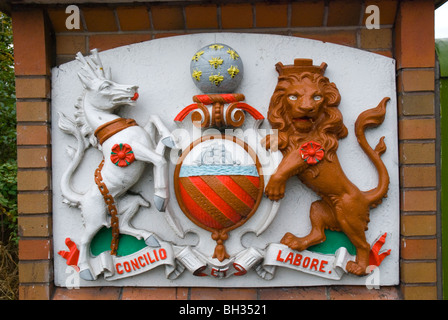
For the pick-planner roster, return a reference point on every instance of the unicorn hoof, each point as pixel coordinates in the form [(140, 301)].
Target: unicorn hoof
[(160, 203), (169, 142), (86, 275), (151, 241)]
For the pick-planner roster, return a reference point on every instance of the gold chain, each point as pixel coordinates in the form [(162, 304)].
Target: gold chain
[(111, 207)]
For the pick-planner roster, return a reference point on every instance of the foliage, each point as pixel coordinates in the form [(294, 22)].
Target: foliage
[(8, 201), (8, 166), (7, 91), (9, 272), (8, 153)]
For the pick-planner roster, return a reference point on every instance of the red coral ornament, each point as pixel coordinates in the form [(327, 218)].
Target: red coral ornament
[(312, 152), (375, 257), (122, 155), (71, 256)]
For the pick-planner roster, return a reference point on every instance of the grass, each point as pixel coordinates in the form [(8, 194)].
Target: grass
[(9, 271)]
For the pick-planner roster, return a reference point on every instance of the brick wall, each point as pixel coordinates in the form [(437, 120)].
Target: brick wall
[(338, 22), (406, 34), (414, 51), (32, 68)]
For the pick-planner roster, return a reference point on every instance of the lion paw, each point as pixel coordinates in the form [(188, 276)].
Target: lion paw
[(270, 142), (275, 190), (293, 242), (356, 269)]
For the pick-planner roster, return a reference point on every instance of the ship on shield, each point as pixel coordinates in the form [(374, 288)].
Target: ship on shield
[(219, 189)]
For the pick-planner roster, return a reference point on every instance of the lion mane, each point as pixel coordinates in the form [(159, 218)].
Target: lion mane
[(329, 126)]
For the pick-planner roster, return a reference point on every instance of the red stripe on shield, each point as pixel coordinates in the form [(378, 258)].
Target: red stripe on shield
[(200, 214), (237, 190), (215, 199)]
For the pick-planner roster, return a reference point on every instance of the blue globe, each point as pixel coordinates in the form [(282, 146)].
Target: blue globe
[(216, 68)]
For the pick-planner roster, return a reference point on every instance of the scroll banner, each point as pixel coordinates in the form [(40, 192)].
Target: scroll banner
[(144, 260), (264, 262), (321, 265)]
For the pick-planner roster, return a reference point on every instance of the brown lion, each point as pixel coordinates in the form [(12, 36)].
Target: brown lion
[(304, 110)]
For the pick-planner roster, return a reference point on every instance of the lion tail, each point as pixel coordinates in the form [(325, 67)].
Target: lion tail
[(373, 118)]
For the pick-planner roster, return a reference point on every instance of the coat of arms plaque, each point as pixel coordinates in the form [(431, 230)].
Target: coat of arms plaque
[(153, 190)]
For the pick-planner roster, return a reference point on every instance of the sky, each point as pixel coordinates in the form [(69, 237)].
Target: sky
[(441, 22)]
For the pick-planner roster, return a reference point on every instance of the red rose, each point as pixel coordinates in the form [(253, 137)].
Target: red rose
[(122, 155), (312, 152)]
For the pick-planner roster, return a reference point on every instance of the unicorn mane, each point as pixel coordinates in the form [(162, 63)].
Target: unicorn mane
[(81, 122), (91, 68)]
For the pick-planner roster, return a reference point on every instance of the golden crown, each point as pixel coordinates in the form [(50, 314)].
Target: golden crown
[(299, 66)]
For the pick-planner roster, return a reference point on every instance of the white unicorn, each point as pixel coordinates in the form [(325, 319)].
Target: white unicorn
[(96, 125)]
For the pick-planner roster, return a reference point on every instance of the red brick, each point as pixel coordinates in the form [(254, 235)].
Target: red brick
[(33, 157), (414, 37), (305, 293), (167, 18), (100, 19), (307, 13), (362, 293), (236, 16), (419, 249), (34, 291), (416, 80), (34, 249), (418, 272), (419, 225), (33, 135), (34, 226), (413, 200), (154, 293), (30, 53), (386, 53), (346, 37), (418, 176), (94, 293), (417, 129), (344, 13), (33, 180), (201, 17), (376, 38), (223, 294), (416, 104), (166, 35), (419, 292), (69, 44), (32, 87), (34, 203), (133, 18), (417, 153), (270, 15), (35, 271), (110, 41), (32, 111)]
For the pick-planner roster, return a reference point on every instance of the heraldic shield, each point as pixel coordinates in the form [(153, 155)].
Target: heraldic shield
[(219, 185)]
